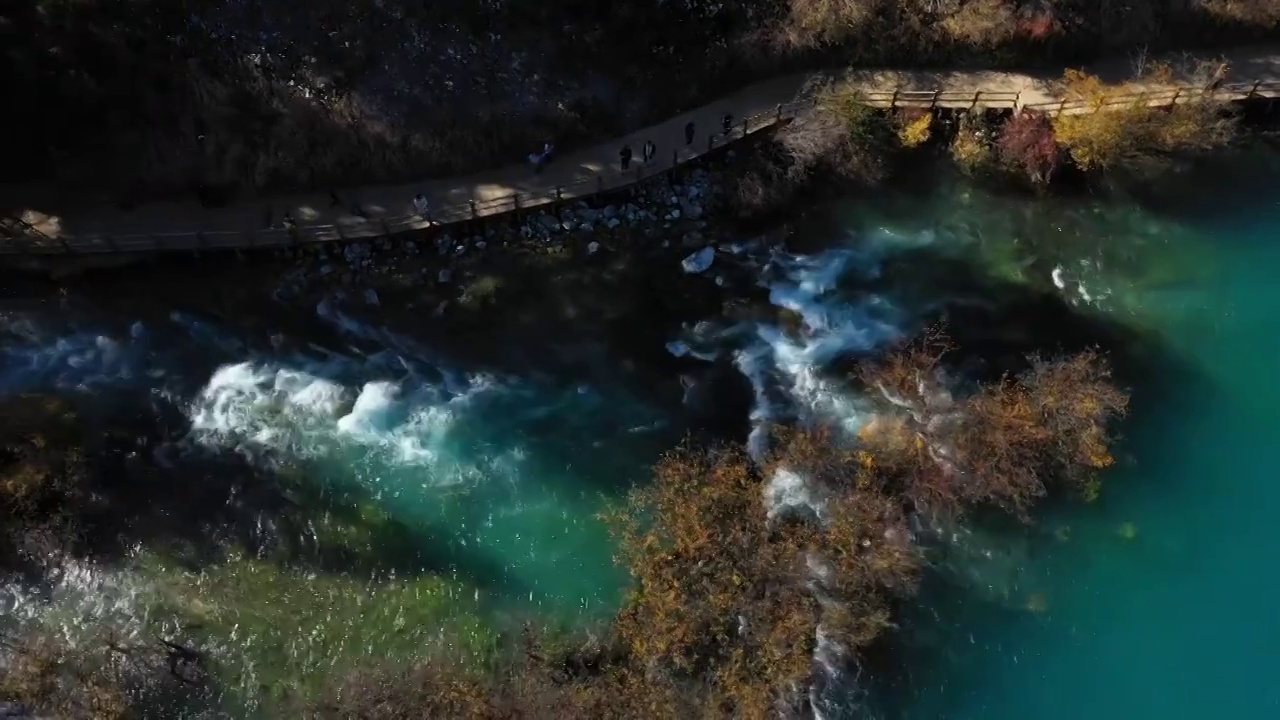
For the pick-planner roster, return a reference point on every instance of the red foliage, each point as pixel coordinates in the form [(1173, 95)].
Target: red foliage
[(1037, 25), (1027, 142)]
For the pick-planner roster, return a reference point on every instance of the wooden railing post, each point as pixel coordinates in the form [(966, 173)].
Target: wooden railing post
[(1253, 91), (893, 101), (779, 113), (933, 103), (474, 214), (559, 193), (1176, 94), (976, 95), (1061, 106), (1017, 99), (744, 126)]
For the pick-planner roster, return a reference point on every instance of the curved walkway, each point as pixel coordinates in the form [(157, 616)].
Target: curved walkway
[(52, 224)]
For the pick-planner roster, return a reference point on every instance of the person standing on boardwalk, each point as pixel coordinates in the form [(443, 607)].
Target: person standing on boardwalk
[(727, 123), (625, 156), (1215, 81), (421, 207), (689, 129), (650, 151)]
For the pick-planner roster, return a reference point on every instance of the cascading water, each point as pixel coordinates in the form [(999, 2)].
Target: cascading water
[(500, 474), (498, 478)]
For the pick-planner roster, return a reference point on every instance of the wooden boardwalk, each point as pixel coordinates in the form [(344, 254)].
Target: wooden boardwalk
[(56, 226)]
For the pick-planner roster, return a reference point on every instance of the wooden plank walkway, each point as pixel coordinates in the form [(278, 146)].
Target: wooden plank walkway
[(55, 225)]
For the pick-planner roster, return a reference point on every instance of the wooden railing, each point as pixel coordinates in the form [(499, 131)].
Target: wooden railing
[(18, 237), (1163, 97)]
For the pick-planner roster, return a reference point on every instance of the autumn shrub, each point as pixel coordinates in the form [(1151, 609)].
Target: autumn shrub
[(914, 126), (768, 183), (530, 685), (1114, 126), (982, 23), (51, 678), (814, 23), (44, 465), (430, 689), (999, 445), (972, 146), (842, 134), (719, 589), (1026, 143), (1258, 13), (98, 676)]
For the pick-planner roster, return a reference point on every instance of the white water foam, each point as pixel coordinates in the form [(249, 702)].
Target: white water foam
[(787, 367), (260, 409)]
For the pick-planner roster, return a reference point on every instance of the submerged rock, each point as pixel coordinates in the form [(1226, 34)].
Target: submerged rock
[(699, 261)]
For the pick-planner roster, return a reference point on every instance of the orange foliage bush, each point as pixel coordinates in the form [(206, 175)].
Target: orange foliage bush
[(720, 592), (998, 445)]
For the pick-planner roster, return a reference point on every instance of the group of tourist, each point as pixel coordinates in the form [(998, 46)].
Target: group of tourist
[(650, 150), (422, 208)]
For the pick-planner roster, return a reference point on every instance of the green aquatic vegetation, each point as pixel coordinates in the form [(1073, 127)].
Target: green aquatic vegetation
[(272, 628), (353, 588)]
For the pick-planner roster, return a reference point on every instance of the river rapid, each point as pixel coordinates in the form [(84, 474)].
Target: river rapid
[(436, 495)]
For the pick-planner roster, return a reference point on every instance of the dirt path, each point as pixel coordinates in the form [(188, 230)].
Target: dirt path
[(577, 173)]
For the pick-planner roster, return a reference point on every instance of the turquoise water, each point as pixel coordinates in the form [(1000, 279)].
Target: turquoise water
[(1158, 600)]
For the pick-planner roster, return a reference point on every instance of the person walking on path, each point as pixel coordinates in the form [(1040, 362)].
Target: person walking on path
[(650, 151), (727, 123), (421, 207), (625, 156), (539, 160), (357, 210), (688, 132), (1215, 81)]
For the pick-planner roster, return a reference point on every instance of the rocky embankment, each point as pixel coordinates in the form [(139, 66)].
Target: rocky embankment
[(663, 217)]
